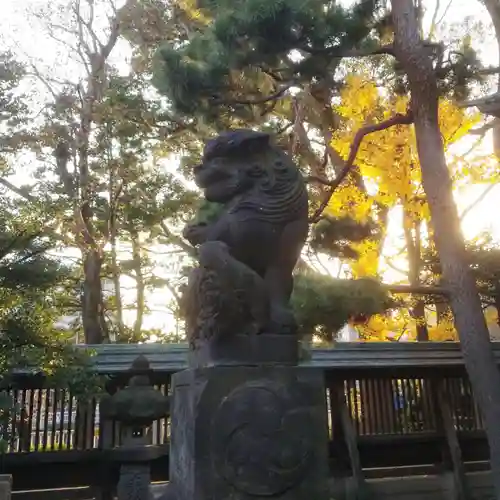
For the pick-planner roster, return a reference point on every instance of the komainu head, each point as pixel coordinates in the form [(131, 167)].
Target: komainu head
[(243, 162)]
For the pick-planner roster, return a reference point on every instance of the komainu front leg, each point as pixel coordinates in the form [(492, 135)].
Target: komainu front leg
[(196, 234), (279, 284), (247, 287)]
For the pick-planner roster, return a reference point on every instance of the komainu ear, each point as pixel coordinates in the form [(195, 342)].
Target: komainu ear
[(241, 141), (256, 143)]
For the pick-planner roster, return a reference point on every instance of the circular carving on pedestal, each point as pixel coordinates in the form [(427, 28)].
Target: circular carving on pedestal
[(262, 439)]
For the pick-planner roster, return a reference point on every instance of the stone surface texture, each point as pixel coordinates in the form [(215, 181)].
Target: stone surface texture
[(5, 486), (135, 407), (134, 482), (247, 422), (246, 256), (249, 432)]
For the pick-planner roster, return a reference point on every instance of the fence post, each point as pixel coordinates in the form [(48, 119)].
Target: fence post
[(446, 426), (341, 412)]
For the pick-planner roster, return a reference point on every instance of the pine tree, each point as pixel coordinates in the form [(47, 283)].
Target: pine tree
[(483, 256), (323, 305), (242, 58), (36, 291)]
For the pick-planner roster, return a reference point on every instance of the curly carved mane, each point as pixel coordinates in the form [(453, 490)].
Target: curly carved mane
[(279, 195)]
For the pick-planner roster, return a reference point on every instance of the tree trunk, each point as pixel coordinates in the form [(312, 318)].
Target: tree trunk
[(465, 302), (497, 302), (94, 324), (113, 237), (117, 287), (140, 286), (413, 246)]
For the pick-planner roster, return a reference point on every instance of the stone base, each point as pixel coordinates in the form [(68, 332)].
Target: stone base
[(134, 482), (5, 486), (249, 350), (249, 432)]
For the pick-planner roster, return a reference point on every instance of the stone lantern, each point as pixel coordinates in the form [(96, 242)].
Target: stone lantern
[(135, 407)]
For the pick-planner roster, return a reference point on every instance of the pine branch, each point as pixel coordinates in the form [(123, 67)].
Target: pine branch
[(489, 105), (397, 119), (340, 53), (417, 289), (337, 52), (260, 100)]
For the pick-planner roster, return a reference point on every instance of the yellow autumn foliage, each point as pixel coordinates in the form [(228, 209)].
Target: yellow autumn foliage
[(367, 263), (444, 331), (388, 327), (193, 13), (391, 327), (491, 315), (388, 159)]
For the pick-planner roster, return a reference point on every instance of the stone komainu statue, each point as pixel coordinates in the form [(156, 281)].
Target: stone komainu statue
[(246, 256)]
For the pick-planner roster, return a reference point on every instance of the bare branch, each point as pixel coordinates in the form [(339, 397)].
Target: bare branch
[(488, 70), (388, 262), (175, 294), (17, 190), (37, 74), (301, 142), (447, 8), (473, 147), (81, 22), (434, 19), (43, 80), (482, 130), (71, 48), (336, 52), (478, 200), (113, 38), (384, 50), (397, 119)]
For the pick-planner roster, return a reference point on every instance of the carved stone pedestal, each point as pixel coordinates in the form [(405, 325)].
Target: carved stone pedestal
[(243, 432)]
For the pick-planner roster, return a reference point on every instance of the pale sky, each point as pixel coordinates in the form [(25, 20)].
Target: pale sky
[(28, 38)]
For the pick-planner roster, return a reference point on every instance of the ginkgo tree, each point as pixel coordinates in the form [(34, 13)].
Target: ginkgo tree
[(388, 162)]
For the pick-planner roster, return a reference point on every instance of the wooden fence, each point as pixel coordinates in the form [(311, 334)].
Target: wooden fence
[(394, 409)]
